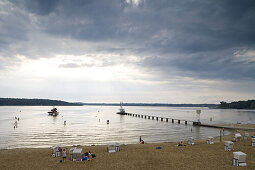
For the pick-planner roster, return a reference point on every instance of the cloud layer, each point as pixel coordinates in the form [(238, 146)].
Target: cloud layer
[(201, 40)]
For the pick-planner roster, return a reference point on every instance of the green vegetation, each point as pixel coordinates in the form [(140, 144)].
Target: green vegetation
[(34, 102), (250, 104)]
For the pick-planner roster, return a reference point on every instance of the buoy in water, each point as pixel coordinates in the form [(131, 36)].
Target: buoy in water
[(108, 121)]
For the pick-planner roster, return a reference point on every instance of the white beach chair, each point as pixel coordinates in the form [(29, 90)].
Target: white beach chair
[(228, 145), (246, 136), (56, 151), (111, 147), (252, 141), (238, 137), (239, 159), (209, 140), (191, 141), (77, 154)]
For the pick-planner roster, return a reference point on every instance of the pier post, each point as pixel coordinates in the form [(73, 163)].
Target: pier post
[(138, 115), (179, 121), (172, 120), (220, 135), (152, 117), (141, 116), (149, 117), (157, 118), (166, 119), (186, 122), (162, 119), (145, 116), (135, 115)]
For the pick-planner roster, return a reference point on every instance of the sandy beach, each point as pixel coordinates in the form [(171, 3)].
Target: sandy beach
[(136, 156)]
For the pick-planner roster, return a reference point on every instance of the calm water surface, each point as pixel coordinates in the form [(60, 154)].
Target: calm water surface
[(86, 125)]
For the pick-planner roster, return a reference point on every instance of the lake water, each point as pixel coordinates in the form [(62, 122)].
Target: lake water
[(86, 125)]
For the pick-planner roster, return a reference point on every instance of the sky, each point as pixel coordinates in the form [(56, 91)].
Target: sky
[(163, 51)]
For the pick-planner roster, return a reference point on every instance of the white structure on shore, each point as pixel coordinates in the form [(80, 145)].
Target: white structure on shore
[(228, 146), (239, 159), (209, 140), (198, 115), (113, 147), (253, 141)]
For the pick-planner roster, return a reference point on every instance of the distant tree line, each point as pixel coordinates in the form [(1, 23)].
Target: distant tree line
[(250, 104), (34, 102)]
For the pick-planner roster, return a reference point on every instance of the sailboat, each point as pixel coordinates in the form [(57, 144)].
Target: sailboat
[(121, 110)]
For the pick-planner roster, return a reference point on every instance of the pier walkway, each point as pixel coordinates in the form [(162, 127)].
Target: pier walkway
[(167, 119), (160, 118)]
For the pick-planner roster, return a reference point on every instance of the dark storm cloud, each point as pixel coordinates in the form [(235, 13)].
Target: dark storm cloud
[(40, 7), (205, 66), (197, 37), (13, 26), (193, 25)]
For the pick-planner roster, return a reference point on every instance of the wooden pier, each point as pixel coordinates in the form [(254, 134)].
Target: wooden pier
[(194, 123), (162, 119)]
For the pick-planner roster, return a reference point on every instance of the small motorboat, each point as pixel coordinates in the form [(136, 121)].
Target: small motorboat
[(53, 112)]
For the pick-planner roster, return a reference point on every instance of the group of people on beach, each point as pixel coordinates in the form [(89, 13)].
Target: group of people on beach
[(181, 144), (86, 156)]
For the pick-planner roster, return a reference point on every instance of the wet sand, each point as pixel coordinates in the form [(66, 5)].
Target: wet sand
[(136, 156)]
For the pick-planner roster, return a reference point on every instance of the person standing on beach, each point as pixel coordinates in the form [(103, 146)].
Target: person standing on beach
[(64, 154), (140, 139)]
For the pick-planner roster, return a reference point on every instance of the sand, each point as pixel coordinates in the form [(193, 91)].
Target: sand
[(136, 156)]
